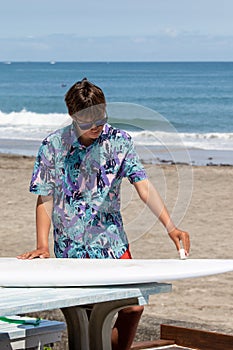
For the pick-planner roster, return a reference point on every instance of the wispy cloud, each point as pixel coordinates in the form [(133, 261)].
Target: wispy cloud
[(168, 45), (171, 32)]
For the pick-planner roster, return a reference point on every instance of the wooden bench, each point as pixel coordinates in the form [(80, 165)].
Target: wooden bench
[(186, 338), (16, 336)]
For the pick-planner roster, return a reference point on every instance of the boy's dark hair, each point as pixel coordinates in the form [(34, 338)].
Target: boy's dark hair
[(83, 95)]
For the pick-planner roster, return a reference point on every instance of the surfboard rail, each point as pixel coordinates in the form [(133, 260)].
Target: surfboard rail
[(98, 272)]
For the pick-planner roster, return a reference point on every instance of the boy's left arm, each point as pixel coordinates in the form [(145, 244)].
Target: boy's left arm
[(151, 197)]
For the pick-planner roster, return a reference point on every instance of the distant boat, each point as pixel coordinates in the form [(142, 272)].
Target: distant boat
[(7, 62), (52, 62)]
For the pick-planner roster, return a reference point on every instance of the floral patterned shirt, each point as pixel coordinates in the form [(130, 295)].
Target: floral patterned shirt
[(85, 185)]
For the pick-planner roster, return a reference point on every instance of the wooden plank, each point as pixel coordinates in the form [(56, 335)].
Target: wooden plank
[(151, 344), (198, 339)]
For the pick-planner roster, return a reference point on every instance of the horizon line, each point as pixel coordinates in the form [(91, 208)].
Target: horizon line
[(113, 61)]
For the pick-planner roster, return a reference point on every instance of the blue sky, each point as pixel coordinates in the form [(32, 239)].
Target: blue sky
[(122, 30)]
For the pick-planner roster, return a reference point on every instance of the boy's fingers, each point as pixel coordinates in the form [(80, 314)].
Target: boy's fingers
[(179, 236), (44, 256), (177, 244), (186, 242), (34, 254), (24, 256)]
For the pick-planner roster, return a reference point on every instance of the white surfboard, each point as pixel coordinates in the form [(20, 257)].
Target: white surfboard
[(99, 272)]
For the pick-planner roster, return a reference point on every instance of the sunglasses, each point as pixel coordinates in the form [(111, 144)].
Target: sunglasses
[(86, 126)]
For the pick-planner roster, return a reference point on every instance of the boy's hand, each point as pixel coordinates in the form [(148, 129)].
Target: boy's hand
[(37, 253), (177, 235)]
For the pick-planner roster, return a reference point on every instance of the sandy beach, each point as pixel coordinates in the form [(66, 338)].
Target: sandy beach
[(200, 198)]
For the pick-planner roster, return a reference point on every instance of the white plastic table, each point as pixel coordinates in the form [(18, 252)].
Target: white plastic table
[(84, 333)]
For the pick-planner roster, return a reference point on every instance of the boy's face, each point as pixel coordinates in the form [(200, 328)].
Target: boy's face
[(90, 121), (90, 128)]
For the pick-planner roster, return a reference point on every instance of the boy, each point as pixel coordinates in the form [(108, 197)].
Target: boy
[(77, 177)]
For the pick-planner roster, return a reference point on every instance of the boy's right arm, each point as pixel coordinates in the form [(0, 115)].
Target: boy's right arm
[(44, 208)]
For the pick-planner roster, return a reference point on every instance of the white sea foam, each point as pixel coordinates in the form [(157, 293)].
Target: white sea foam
[(25, 125), (207, 141), (26, 118)]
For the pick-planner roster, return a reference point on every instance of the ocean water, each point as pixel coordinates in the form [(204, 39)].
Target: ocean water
[(175, 112)]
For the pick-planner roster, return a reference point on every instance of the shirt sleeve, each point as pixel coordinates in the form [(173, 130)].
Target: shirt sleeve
[(132, 167), (43, 176)]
